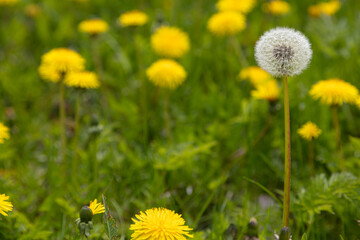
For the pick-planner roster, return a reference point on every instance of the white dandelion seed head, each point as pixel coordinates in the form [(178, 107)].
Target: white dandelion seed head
[(283, 51)]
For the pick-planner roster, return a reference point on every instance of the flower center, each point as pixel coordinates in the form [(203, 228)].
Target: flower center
[(283, 53)]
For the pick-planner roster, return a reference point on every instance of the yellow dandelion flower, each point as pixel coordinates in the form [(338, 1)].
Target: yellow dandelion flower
[(309, 131), (277, 7), (96, 207), (334, 92), (133, 18), (170, 42), (255, 74), (82, 80), (159, 224), (268, 91), (226, 23), (5, 205), (32, 10), (59, 61), (7, 2), (327, 8), (4, 133), (243, 6), (166, 73), (93, 26), (357, 101)]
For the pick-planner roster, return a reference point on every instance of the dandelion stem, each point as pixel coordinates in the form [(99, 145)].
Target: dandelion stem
[(287, 155), (311, 157), (143, 89), (76, 136), (96, 57), (167, 114), (338, 137), (62, 127), (239, 52)]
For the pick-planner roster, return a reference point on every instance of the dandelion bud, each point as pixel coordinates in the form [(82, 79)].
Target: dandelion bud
[(86, 214), (252, 228), (283, 51)]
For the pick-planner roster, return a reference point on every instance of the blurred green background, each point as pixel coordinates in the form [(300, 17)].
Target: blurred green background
[(200, 172)]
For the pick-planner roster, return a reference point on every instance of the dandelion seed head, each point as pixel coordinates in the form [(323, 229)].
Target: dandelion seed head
[(283, 51)]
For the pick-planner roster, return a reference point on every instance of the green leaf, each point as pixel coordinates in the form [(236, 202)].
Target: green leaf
[(109, 222)]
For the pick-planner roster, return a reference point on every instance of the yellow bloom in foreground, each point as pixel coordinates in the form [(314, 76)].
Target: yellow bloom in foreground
[(226, 23), (159, 224), (32, 10), (277, 7), (4, 133), (82, 80), (7, 2), (255, 74), (170, 42), (166, 73), (309, 131), (93, 26), (267, 91), (5, 206), (327, 8), (96, 207), (357, 102), (334, 92), (133, 18), (58, 62), (243, 6)]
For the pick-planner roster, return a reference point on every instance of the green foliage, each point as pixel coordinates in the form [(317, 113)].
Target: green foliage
[(109, 222)]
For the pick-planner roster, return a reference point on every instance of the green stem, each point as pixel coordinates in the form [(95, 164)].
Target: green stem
[(338, 137), (311, 157), (167, 114), (287, 155), (96, 57), (239, 52), (63, 128), (76, 137), (143, 88)]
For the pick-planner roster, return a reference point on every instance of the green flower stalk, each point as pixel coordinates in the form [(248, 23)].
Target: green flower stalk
[(284, 52)]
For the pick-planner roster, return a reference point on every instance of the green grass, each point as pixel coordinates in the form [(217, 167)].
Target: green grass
[(212, 117)]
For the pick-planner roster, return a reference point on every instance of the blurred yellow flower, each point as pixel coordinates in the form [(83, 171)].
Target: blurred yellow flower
[(226, 23), (5, 206), (96, 207), (255, 74), (166, 73), (93, 26), (82, 80), (59, 61), (159, 224), (4, 132), (243, 6), (327, 8), (7, 2), (170, 42), (277, 7), (309, 131), (334, 92), (32, 10), (268, 91), (357, 101), (133, 18)]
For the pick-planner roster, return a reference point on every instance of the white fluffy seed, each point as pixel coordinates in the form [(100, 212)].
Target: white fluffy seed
[(283, 51)]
